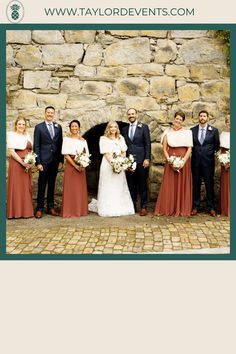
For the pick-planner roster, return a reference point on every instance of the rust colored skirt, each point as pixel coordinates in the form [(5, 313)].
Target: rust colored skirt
[(175, 195), (75, 195), (19, 188)]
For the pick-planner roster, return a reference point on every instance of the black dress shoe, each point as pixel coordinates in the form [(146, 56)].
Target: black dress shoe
[(194, 212)]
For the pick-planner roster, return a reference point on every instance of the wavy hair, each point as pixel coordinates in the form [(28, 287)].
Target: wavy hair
[(107, 130)]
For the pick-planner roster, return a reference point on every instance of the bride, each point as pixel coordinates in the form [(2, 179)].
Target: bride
[(113, 194)]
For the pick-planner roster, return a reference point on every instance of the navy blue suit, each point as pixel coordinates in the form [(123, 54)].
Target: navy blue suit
[(203, 165), (140, 147), (49, 155)]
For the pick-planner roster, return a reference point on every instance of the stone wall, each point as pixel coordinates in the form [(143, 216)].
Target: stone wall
[(96, 75)]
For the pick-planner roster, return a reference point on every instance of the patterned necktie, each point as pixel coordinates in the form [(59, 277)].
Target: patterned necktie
[(131, 133), (201, 140), (50, 130)]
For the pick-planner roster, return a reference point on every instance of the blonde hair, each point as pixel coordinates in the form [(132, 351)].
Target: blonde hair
[(17, 120), (107, 132)]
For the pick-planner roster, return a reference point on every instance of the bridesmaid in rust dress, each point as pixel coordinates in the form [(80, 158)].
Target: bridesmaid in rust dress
[(19, 185), (175, 196), (75, 195), (225, 171)]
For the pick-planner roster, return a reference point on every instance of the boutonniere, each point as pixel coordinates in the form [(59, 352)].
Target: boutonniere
[(140, 125), (209, 128), (56, 125)]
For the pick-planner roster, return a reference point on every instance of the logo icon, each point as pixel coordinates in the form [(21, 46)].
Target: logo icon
[(15, 11)]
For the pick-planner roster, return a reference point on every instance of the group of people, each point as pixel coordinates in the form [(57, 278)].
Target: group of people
[(118, 193)]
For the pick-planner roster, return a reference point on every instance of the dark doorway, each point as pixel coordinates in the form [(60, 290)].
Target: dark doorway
[(92, 136)]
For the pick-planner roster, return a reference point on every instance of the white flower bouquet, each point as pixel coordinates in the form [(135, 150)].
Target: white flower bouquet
[(30, 159), (122, 163), (177, 162), (82, 159), (224, 158)]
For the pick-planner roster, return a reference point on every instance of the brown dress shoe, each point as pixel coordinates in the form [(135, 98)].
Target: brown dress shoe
[(52, 212), (194, 212), (213, 213), (38, 214), (143, 212)]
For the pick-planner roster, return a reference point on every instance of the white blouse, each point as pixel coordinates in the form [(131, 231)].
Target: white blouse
[(177, 138), (71, 146), (18, 141), (225, 140), (107, 145)]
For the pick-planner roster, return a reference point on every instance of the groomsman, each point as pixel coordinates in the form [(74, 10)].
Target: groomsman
[(47, 146), (137, 138), (205, 144)]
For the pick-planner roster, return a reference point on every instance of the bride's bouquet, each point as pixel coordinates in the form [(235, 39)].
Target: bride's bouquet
[(30, 159), (177, 162), (224, 158), (122, 163), (82, 159)]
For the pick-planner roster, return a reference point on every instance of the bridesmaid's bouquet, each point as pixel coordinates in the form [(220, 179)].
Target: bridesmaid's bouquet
[(82, 159), (30, 159), (122, 163), (224, 158), (177, 162)]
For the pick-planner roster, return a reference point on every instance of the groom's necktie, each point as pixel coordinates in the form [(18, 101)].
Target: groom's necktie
[(202, 136), (50, 130), (131, 132)]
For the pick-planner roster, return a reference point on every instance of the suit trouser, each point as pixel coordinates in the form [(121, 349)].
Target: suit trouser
[(47, 177), (137, 183), (207, 174)]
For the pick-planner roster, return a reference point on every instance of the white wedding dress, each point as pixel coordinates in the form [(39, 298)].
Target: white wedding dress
[(113, 193)]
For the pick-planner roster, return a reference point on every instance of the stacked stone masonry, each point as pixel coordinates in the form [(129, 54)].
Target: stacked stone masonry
[(95, 76)]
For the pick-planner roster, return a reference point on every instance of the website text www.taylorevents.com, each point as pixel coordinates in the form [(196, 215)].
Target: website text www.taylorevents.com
[(119, 11)]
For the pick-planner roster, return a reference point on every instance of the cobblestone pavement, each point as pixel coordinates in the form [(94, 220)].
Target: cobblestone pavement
[(124, 235)]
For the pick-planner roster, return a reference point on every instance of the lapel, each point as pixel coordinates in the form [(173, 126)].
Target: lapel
[(208, 132), (136, 131)]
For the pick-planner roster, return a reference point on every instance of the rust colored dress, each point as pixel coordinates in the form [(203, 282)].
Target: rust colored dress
[(19, 188), (175, 195), (225, 189), (75, 195)]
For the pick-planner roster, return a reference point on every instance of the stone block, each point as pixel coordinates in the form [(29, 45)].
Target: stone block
[(111, 72), (150, 69), (82, 70), (208, 106), (157, 155), (100, 89), (213, 90), (80, 36), (64, 54), (166, 51), (58, 101), (204, 72), (71, 85), (19, 37), (36, 79), (162, 87), (12, 75), (23, 99), (153, 33), (74, 102), (177, 70), (29, 57), (48, 37), (141, 103), (9, 56), (34, 115), (189, 92), (129, 51), (188, 33), (132, 87), (93, 55), (202, 51)]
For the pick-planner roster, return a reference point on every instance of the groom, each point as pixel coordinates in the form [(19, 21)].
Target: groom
[(47, 146), (137, 138)]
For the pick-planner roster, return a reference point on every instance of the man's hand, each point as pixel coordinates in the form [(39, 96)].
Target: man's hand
[(40, 168), (60, 166), (146, 163)]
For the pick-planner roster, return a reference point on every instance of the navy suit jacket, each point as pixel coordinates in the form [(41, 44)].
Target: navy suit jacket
[(140, 147), (205, 154), (46, 148)]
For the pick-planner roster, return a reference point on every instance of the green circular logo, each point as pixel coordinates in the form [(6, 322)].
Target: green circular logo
[(15, 11)]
